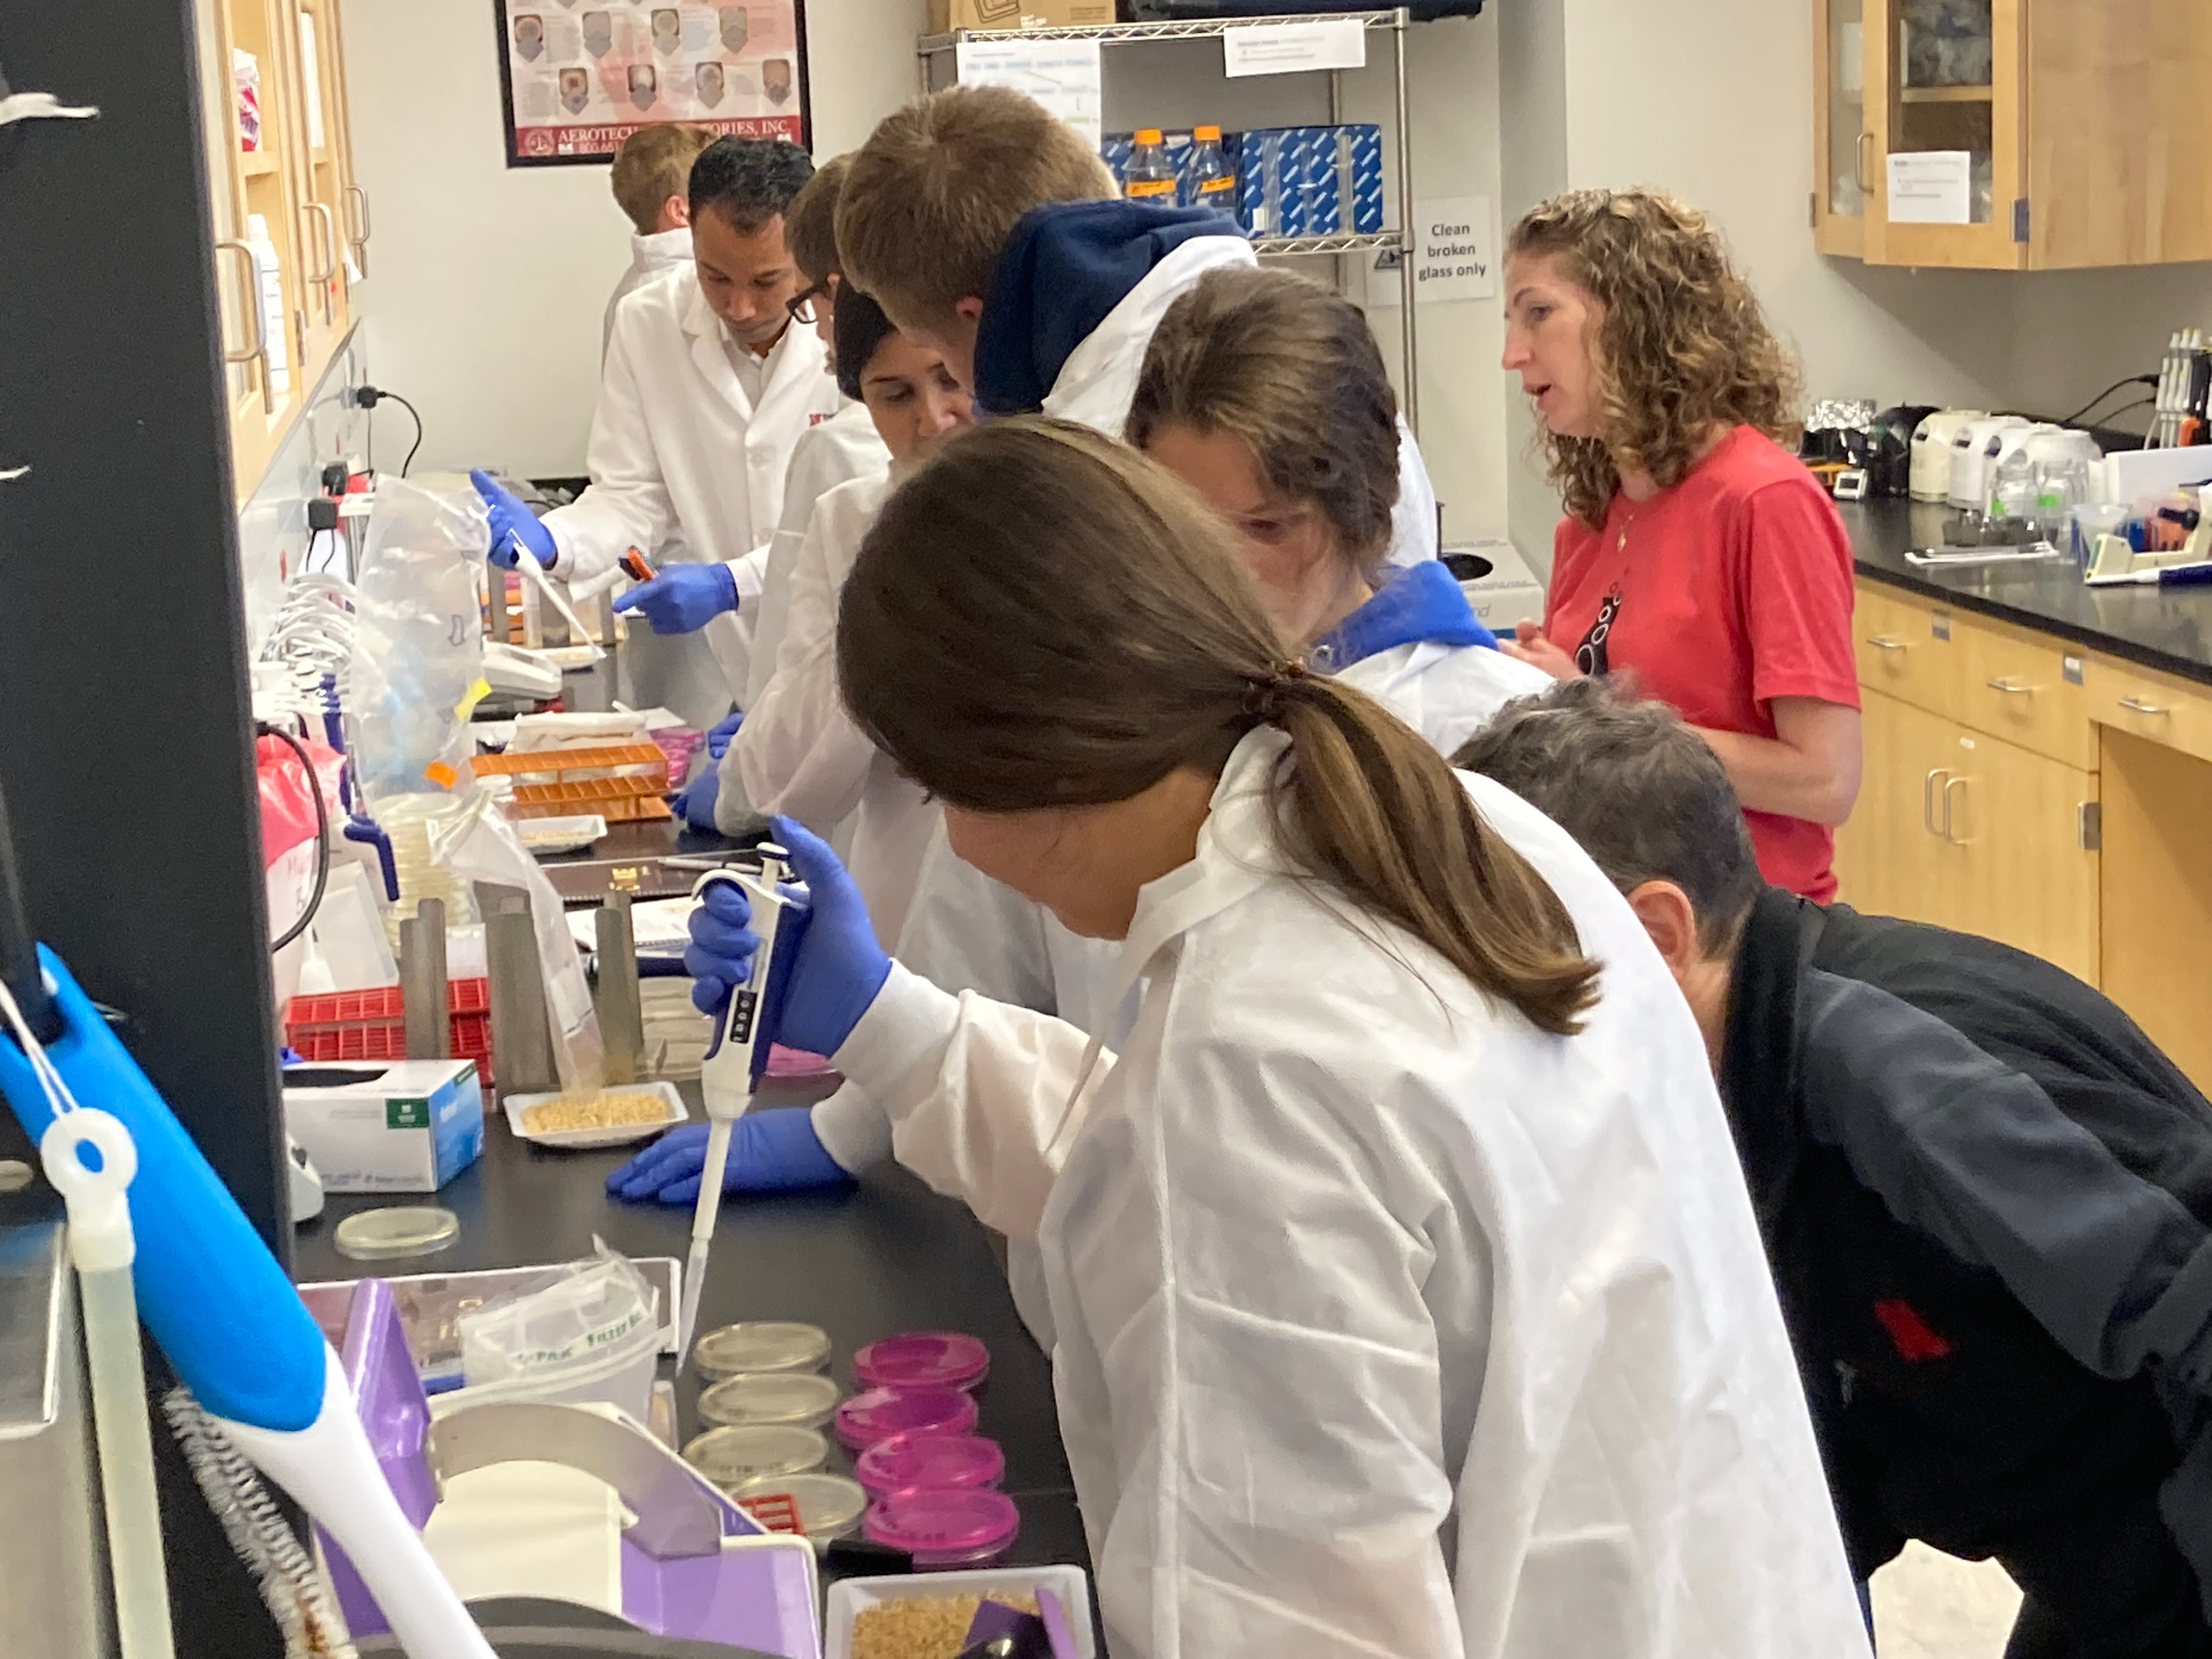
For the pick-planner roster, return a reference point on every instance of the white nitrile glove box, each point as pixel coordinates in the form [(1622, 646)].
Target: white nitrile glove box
[(410, 1127)]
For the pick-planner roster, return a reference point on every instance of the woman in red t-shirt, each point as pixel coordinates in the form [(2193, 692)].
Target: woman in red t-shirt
[(1695, 551)]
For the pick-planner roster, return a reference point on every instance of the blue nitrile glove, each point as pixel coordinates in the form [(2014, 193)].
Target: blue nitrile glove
[(839, 968), (512, 523), (695, 805), (773, 1151), (683, 598), (720, 734)]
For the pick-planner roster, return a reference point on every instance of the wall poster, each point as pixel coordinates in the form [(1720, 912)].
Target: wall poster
[(578, 76)]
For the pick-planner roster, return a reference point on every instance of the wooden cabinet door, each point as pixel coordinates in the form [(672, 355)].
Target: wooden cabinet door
[(1947, 79), (1840, 138), (1890, 857), (2015, 820)]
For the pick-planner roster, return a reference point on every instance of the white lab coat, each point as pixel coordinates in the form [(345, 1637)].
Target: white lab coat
[(799, 752), (967, 932), (649, 257), (678, 451), (1095, 384), (838, 450), (1388, 1324)]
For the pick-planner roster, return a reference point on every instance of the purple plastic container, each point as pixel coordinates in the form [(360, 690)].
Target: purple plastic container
[(907, 1461), (945, 1529), (882, 1412), (923, 1359)]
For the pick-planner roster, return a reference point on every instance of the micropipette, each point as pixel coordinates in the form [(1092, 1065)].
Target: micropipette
[(525, 560), (744, 1033)]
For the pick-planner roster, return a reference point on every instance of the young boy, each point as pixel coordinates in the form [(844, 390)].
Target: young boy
[(651, 178), (1983, 1192), (988, 230)]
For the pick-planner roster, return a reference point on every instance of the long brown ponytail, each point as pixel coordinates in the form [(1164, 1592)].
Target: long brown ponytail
[(1042, 618)]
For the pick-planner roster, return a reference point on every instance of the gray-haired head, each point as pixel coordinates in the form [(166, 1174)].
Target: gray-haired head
[(1644, 794)]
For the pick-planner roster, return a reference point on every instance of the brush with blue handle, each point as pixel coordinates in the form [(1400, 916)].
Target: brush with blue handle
[(233, 1328)]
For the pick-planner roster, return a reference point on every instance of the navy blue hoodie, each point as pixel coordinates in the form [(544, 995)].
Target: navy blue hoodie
[(1065, 267)]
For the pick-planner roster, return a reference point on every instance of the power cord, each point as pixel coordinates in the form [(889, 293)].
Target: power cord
[(367, 397), (264, 728), (2132, 380)]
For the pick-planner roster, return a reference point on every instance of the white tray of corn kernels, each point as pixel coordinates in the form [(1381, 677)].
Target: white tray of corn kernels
[(582, 1119), (853, 1599)]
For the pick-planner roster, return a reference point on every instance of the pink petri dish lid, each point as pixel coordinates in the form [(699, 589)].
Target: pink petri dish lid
[(924, 1359), (950, 1527), (930, 1460), (882, 1412)]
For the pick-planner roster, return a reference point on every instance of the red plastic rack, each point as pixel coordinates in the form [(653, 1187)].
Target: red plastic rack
[(359, 1025)]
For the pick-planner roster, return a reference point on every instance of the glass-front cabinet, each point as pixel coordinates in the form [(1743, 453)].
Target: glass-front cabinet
[(289, 224), (1840, 135), (2012, 134)]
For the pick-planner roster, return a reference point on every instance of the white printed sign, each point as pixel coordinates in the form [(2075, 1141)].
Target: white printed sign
[(1338, 43), (1931, 187), (1063, 76), (1454, 254)]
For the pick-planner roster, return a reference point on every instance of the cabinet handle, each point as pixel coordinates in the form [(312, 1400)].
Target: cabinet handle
[(328, 242), (1949, 784), (2138, 705), (2013, 688), (1928, 803), (357, 200), (258, 351), (1883, 643), (1858, 162)]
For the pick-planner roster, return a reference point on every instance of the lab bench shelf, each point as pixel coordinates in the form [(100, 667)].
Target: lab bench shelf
[(929, 48)]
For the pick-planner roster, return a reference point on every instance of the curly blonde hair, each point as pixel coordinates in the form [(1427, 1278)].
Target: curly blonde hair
[(1681, 343)]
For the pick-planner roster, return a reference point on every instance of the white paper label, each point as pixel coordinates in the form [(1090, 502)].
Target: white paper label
[(1290, 48), (1454, 254), (1931, 187), (1062, 74)]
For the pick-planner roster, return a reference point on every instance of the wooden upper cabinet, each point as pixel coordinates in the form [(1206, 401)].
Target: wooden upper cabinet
[(280, 330), (2066, 132)]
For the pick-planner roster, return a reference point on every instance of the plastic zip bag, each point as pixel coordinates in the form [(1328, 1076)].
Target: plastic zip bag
[(593, 1335), (418, 640)]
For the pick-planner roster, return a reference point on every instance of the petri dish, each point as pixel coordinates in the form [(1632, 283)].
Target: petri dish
[(908, 1461), (404, 1230), (924, 1359), (830, 1505), (731, 1456), (946, 1528), (760, 1345), (882, 1412), (799, 1400)]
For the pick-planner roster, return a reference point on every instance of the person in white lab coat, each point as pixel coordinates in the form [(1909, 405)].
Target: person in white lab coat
[(651, 179), (797, 752), (1267, 394), (987, 228), (1409, 1300), (831, 452), (706, 390)]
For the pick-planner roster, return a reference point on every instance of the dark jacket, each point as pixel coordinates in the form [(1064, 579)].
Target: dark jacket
[(1986, 1195)]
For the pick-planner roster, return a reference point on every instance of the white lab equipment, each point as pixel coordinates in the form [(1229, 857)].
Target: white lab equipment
[(269, 285), (1527, 1340), (1931, 452), (743, 1034), (1971, 457)]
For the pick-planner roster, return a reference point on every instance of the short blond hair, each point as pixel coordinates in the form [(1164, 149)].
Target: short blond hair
[(937, 188), (810, 223), (654, 164)]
